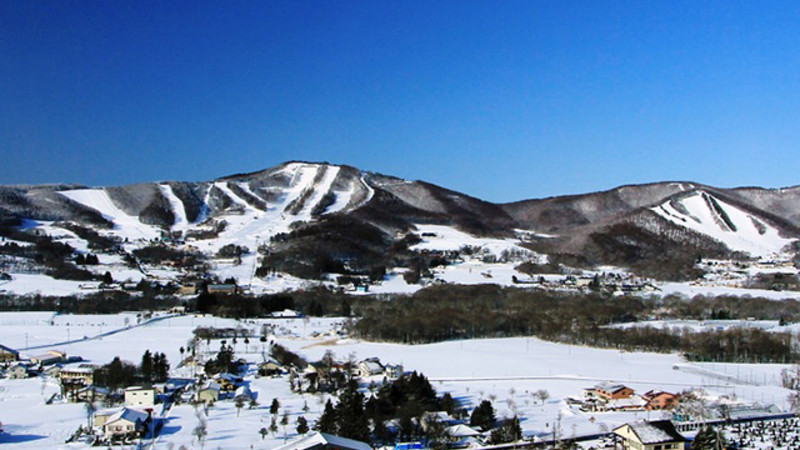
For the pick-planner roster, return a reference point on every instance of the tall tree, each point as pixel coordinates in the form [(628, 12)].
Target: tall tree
[(327, 421), (351, 421), (147, 366), (483, 416)]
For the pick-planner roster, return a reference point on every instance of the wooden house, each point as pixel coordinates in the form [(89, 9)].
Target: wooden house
[(660, 400), (8, 354)]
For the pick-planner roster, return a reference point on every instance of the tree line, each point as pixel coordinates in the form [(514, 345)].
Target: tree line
[(467, 312)]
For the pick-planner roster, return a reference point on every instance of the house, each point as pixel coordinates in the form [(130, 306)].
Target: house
[(393, 371), (173, 384), (127, 422), (632, 403), (370, 367), (244, 393), (187, 289), (325, 441), (140, 396), (50, 357), (463, 436), (208, 393), (227, 382), (660, 400), (269, 368), (90, 394), (224, 289), (53, 371), (83, 374), (178, 310), (8, 354), (609, 391), (286, 314), (644, 435), (101, 416), (17, 372)]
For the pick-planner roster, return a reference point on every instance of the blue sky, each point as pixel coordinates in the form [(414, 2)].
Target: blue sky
[(503, 100)]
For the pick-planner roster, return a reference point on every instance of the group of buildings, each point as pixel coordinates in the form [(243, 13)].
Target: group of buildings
[(618, 397)]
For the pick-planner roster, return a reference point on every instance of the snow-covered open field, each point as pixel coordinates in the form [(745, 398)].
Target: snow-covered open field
[(506, 371)]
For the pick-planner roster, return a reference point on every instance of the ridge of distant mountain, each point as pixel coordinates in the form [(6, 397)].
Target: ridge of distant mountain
[(343, 216)]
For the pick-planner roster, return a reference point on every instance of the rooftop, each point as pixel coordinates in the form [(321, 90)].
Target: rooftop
[(655, 432)]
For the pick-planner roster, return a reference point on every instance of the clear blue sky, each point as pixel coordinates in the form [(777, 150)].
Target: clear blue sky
[(502, 100)]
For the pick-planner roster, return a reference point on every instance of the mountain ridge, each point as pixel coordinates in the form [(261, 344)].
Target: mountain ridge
[(325, 215)]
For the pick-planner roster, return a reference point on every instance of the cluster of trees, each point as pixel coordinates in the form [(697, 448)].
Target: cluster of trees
[(405, 400), (107, 302), (224, 362), (95, 240), (465, 312), (286, 357), (154, 368), (239, 306), (232, 251), (54, 256), (86, 260), (159, 254)]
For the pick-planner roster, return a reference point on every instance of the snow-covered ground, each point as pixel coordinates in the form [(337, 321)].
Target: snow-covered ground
[(506, 371)]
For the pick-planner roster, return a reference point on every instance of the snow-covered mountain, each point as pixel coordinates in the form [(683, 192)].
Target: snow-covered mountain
[(311, 218), (738, 229)]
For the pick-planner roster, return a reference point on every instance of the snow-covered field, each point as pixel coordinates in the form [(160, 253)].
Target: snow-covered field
[(505, 371)]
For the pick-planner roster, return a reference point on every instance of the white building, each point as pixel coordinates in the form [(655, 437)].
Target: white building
[(140, 396)]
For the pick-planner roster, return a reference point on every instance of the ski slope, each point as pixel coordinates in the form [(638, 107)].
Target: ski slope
[(125, 225), (737, 229)]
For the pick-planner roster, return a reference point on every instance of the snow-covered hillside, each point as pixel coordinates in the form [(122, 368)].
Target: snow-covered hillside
[(737, 229)]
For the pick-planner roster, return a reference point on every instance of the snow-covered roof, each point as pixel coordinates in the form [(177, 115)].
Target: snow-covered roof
[(138, 388), (371, 366), (655, 432), (227, 376), (323, 439), (609, 387), (462, 431), (243, 391), (8, 350), (210, 385), (630, 402), (128, 414)]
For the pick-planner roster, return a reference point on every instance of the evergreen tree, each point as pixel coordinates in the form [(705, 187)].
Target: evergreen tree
[(351, 420), (327, 421), (510, 431), (273, 408), (447, 403), (160, 367), (708, 439), (483, 416), (147, 366), (302, 425)]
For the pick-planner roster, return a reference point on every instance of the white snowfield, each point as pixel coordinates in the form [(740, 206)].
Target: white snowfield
[(178, 209), (505, 371), (125, 225), (748, 234)]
